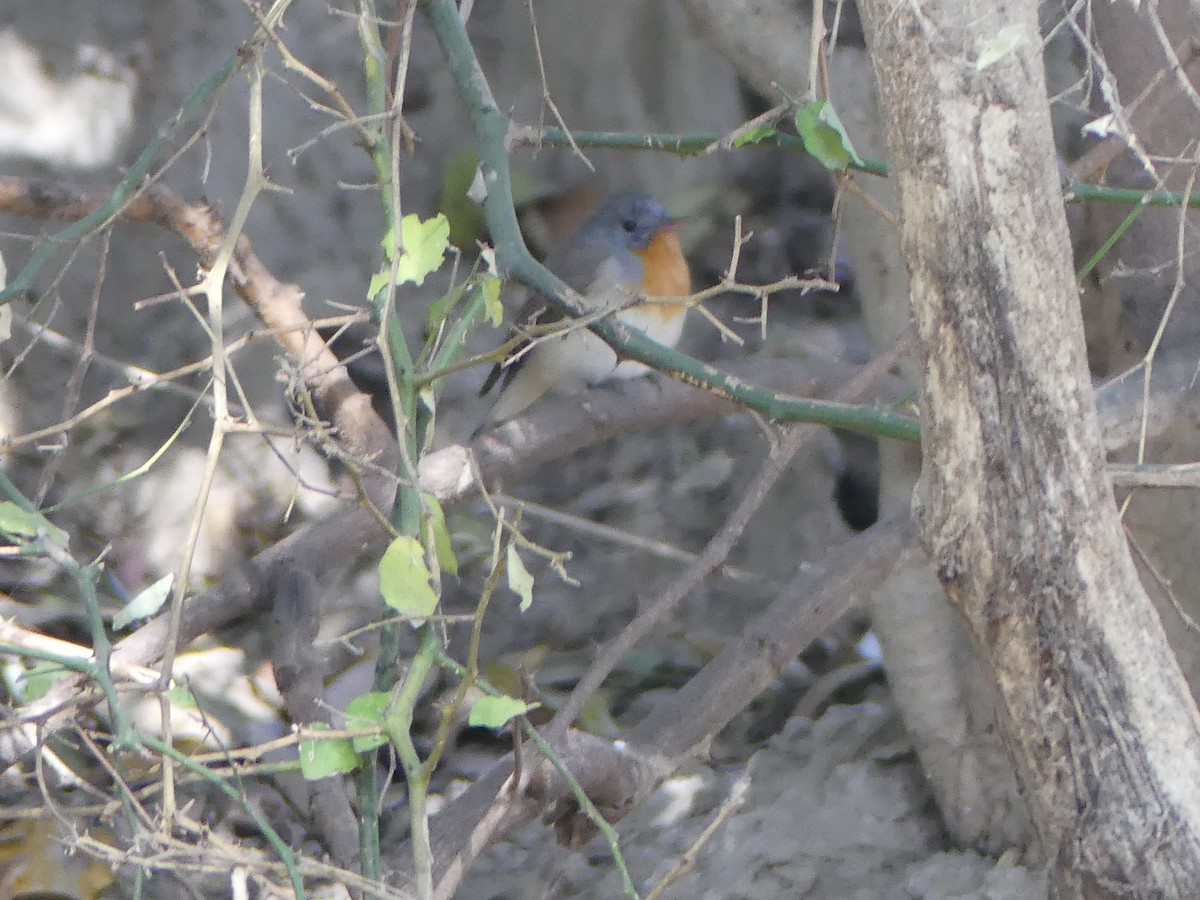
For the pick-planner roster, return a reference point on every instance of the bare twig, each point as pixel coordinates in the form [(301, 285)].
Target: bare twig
[(75, 382), (547, 100), (661, 549), (686, 863)]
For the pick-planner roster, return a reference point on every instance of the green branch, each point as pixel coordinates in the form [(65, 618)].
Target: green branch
[(683, 145), (1085, 193), (491, 127), (397, 725)]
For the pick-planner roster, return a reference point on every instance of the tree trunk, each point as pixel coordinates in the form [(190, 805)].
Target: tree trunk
[(1013, 504)]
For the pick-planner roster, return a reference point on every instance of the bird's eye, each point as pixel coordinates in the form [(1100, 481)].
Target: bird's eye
[(629, 225)]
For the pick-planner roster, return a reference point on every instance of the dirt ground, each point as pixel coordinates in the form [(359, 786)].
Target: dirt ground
[(835, 809)]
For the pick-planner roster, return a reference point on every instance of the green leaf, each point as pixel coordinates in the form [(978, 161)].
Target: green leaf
[(824, 137), (388, 243), (520, 582), (442, 546), (425, 245), (367, 711), (527, 188), (404, 579), (36, 682), (379, 281), (491, 300), (17, 521), (145, 604), (465, 215), (439, 309), (182, 697), (323, 758), (597, 718), (759, 133), (495, 712), (427, 397)]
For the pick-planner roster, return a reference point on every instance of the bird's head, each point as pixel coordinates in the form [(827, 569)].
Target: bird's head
[(630, 219)]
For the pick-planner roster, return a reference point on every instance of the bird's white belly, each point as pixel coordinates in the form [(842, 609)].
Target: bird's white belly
[(591, 361), (647, 319), (585, 357)]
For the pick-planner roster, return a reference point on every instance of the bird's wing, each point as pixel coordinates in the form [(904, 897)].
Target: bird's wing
[(536, 310), (586, 267)]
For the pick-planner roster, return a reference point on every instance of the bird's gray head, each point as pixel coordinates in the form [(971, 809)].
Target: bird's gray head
[(628, 219)]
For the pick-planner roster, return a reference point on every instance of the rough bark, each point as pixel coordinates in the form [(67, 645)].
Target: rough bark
[(1013, 506)]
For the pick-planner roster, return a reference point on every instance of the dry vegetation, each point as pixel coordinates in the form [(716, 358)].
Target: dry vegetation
[(213, 685)]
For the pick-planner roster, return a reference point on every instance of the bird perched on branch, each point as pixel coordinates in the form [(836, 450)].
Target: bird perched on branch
[(625, 253)]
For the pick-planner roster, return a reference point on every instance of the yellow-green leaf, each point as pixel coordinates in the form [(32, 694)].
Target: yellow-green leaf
[(465, 216), (145, 604), (759, 133), (388, 243), (492, 306), (36, 682), (379, 281), (20, 522), (367, 711), (182, 697), (323, 758), (824, 137), (404, 579), (520, 582), (496, 712), (425, 245), (443, 548)]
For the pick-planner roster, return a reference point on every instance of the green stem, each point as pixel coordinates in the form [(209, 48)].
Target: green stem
[(398, 726), (367, 800), (1085, 193), (85, 579), (69, 663), (406, 514), (685, 145), (1112, 239), (680, 144)]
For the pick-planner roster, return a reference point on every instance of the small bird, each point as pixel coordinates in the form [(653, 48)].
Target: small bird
[(625, 250)]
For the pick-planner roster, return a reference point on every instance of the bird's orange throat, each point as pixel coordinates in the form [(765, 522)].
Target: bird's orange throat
[(665, 273)]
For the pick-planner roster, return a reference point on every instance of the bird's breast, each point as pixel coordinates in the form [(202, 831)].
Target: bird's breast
[(665, 274)]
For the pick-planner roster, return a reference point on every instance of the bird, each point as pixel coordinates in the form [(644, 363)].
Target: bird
[(627, 249)]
